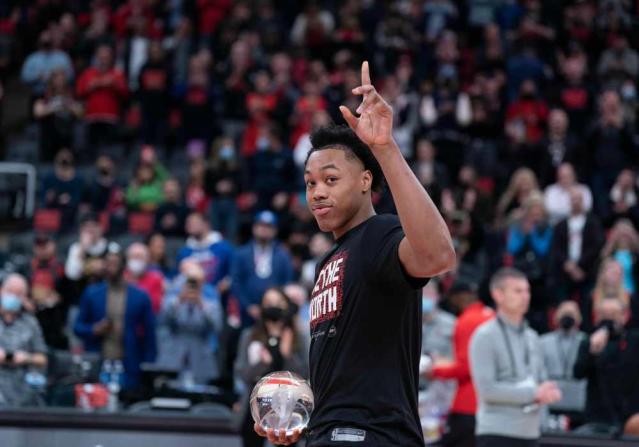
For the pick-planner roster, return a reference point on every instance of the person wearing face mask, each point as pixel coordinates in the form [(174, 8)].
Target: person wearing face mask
[(560, 348), (21, 344), (609, 362), (139, 274), (116, 320), (273, 344), (437, 324)]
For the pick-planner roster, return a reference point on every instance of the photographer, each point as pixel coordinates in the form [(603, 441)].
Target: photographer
[(21, 345), (272, 344)]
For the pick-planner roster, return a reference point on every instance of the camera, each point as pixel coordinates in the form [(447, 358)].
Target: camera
[(8, 357), (192, 283)]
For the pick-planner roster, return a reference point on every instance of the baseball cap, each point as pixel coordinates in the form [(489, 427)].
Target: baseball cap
[(266, 218)]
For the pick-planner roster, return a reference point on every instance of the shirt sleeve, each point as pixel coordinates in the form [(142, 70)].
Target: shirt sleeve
[(458, 368), (381, 253)]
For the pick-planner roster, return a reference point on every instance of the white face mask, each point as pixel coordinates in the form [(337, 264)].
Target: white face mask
[(136, 266)]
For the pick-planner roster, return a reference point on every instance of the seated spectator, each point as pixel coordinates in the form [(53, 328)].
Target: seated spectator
[(144, 192), (208, 248), (557, 195), (273, 344), (437, 324), (158, 258), (623, 246), (139, 273), (574, 254), (222, 183), (522, 183), (22, 346), (103, 89), (608, 361), (48, 292), (170, 217), (39, 65), (190, 321), (103, 193), (624, 198), (258, 265), (116, 320), (57, 111), (62, 189), (560, 348)]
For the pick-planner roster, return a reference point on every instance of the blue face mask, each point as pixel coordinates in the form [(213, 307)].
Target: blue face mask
[(428, 305), (10, 302), (226, 152)]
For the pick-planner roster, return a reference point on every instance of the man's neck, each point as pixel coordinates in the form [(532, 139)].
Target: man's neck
[(511, 318), (363, 214)]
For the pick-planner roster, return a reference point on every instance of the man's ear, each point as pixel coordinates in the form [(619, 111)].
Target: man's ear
[(367, 181)]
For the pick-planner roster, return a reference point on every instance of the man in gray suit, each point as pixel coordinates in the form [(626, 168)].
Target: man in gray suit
[(508, 369)]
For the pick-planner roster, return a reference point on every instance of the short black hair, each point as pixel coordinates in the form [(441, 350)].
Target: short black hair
[(343, 138)]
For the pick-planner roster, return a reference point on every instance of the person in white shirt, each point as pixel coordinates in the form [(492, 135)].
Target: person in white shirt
[(557, 195)]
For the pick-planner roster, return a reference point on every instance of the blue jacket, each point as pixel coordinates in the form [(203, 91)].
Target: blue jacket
[(139, 327), (247, 287), (214, 254)]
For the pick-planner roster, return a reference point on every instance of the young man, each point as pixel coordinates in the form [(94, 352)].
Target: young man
[(365, 306), (508, 370)]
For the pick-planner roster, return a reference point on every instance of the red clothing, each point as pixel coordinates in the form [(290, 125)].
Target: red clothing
[(152, 282), (102, 103), (533, 113), (465, 399)]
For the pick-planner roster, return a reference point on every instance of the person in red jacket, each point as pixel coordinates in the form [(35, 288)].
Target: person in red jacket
[(139, 274), (460, 426), (103, 89)]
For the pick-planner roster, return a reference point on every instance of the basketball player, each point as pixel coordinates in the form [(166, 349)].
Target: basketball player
[(365, 307)]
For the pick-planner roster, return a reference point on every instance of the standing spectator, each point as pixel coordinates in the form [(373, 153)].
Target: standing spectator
[(623, 246), (437, 324), (460, 425), (558, 146), (528, 113), (153, 91), (196, 197), (47, 292), (574, 254), (22, 346), (208, 248), (312, 28), (39, 65), (222, 181), (431, 174), (318, 246), (104, 194), (57, 111), (144, 192), (618, 62), (116, 320), (170, 217), (575, 94), (139, 273), (624, 198), (190, 321), (103, 89), (608, 361), (258, 265), (522, 183), (197, 102), (557, 195), (62, 189), (507, 368), (158, 259), (560, 348), (273, 344)]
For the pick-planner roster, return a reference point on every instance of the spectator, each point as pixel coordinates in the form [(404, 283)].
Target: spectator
[(116, 320), (139, 273), (623, 246), (618, 62), (258, 265), (609, 284), (460, 425), (158, 258), (312, 28), (154, 85), (191, 321), (522, 183), (222, 183), (623, 198), (560, 348), (48, 292), (103, 89), (527, 115), (575, 94), (507, 368), (437, 325), (208, 248), (319, 245), (57, 111), (22, 346), (575, 249), (300, 309), (431, 174), (104, 194), (170, 217), (144, 192), (609, 363), (273, 344), (62, 189), (196, 198), (557, 196), (39, 65)]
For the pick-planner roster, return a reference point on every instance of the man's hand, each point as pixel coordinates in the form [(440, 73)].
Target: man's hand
[(102, 327), (278, 438), (3, 356), (375, 123), (547, 393), (599, 340), (21, 358)]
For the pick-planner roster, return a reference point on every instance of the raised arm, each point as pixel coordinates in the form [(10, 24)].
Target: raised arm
[(427, 249)]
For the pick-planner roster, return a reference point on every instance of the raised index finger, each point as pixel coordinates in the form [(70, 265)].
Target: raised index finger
[(366, 75)]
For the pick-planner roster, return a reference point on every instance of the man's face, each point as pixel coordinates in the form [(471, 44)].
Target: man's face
[(172, 191), (92, 229), (195, 226), (44, 250), (611, 309), (113, 266), (335, 187), (513, 297)]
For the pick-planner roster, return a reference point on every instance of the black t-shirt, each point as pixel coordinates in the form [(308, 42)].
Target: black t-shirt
[(365, 342)]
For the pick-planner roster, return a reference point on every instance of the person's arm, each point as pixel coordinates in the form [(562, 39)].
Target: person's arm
[(74, 266), (585, 362), (30, 73), (483, 365), (150, 345), (458, 368), (83, 326), (541, 240), (427, 249), (516, 240)]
